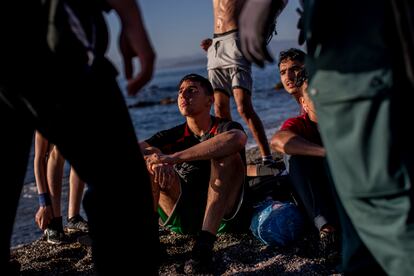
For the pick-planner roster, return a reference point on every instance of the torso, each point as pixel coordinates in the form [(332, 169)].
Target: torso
[(303, 127), (180, 138), (226, 14)]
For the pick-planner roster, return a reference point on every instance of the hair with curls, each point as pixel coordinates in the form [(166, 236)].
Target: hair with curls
[(292, 54)]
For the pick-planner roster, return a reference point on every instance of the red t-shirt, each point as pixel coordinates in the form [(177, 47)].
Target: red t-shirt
[(303, 127)]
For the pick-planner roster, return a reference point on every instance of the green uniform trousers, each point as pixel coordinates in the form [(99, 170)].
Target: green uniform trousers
[(363, 103), (360, 117)]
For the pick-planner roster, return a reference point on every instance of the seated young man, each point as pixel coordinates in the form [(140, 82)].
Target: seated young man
[(197, 169), (299, 140), (290, 63)]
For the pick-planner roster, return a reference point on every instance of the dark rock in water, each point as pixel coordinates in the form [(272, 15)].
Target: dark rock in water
[(165, 101), (154, 87), (279, 86), (168, 100), (253, 156)]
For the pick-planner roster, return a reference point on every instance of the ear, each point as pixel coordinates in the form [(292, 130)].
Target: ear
[(211, 100)]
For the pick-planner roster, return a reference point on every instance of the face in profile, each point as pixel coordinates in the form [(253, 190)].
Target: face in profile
[(192, 99)]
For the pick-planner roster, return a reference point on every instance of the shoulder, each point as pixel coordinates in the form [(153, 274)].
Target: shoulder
[(294, 122), (168, 134)]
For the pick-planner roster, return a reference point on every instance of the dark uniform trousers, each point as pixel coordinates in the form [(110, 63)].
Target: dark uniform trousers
[(83, 112)]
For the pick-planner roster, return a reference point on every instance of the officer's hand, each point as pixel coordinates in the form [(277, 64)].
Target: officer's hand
[(134, 42), (254, 22), (133, 46), (301, 27)]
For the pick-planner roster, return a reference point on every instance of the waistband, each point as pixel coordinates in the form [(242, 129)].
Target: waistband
[(225, 33)]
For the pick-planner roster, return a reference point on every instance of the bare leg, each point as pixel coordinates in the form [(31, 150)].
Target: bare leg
[(227, 177), (222, 105), (246, 111), (166, 198), (54, 179), (251, 170), (76, 186)]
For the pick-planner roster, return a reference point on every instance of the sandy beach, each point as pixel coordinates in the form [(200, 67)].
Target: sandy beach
[(235, 254), (25, 228)]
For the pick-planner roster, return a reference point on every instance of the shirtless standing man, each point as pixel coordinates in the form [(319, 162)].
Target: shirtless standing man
[(229, 72)]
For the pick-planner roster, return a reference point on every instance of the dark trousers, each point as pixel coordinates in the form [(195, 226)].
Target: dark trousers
[(83, 112), (91, 127), (311, 183)]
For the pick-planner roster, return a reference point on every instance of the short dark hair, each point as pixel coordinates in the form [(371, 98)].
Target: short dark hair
[(292, 54), (205, 83)]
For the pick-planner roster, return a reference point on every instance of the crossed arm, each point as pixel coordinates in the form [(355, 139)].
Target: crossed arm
[(160, 165), (222, 145), (288, 142)]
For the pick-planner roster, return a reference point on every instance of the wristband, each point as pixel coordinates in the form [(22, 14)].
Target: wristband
[(44, 200)]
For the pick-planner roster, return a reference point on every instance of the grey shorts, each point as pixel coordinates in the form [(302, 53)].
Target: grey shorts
[(227, 67), (225, 80)]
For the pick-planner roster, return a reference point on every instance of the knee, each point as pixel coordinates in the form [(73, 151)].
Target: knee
[(227, 174), (229, 164), (242, 110), (245, 110)]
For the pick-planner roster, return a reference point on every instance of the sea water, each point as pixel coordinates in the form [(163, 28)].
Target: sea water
[(272, 106)]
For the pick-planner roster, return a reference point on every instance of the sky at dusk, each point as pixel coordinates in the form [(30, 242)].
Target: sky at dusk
[(176, 27)]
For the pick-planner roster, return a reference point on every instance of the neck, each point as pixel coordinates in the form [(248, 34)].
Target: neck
[(200, 124), (312, 117)]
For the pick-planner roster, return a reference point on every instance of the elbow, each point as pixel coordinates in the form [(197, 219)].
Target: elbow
[(273, 143), (243, 140), (239, 138), (276, 144)]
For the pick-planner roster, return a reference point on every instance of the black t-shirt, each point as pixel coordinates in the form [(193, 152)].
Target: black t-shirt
[(180, 138)]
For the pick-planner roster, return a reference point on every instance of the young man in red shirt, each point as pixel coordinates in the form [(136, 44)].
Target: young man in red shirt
[(299, 140)]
